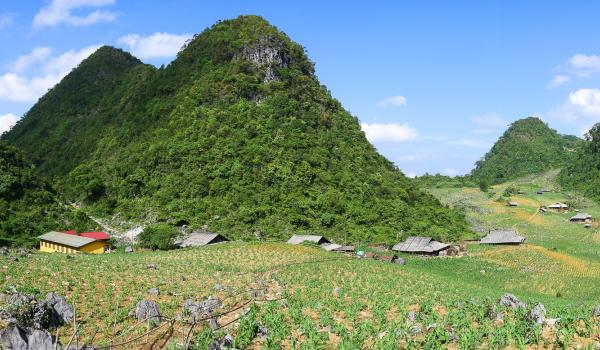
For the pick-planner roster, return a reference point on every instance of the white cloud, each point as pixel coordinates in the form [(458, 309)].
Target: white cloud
[(156, 45), (7, 121), (393, 101), (450, 172), (392, 132), (581, 108), (558, 80), (469, 142), (5, 21), (585, 63), (61, 11), (33, 74), (490, 120), (587, 101)]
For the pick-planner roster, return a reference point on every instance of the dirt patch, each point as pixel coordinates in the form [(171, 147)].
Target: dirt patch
[(596, 237), (526, 201), (525, 216)]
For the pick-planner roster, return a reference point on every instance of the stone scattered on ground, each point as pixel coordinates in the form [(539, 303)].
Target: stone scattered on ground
[(596, 311), (537, 314), (152, 266), (512, 302), (24, 310), (154, 291), (222, 344), (128, 249), (147, 310), (193, 311), (25, 338), (400, 261)]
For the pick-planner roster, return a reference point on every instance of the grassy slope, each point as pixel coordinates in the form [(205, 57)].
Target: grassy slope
[(373, 297)]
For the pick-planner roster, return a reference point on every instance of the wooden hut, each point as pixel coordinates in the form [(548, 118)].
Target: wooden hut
[(582, 218), (512, 204), (558, 207), (420, 245), (297, 239), (200, 239), (502, 237)]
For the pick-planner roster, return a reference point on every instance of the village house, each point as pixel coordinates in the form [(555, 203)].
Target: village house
[(512, 204), (199, 239), (502, 237), (297, 239), (558, 207), (582, 218), (420, 245), (60, 242)]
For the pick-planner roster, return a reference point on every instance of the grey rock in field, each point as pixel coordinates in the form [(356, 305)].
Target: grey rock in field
[(537, 314), (25, 338), (152, 266), (147, 310), (222, 344), (194, 311), (213, 323), (128, 249), (219, 287), (400, 261), (596, 311), (512, 302), (55, 311), (411, 317), (262, 331), (415, 329), (154, 291), (551, 321)]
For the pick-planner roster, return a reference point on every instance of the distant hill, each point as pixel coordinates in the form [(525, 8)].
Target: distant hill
[(582, 173), (527, 147), (236, 133), (28, 206)]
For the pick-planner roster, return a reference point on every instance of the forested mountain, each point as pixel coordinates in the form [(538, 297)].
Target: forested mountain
[(582, 172), (236, 133), (28, 206), (527, 147)]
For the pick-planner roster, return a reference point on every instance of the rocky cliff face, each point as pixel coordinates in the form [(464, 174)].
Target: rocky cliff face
[(267, 53)]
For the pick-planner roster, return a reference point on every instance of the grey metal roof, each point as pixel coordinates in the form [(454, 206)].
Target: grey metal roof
[(345, 248), (502, 237), (513, 203), (197, 239), (558, 206), (581, 216), (330, 246), (297, 239), (74, 241), (419, 245)]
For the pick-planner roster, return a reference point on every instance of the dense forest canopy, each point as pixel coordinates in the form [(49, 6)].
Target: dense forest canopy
[(236, 133), (527, 147), (28, 205)]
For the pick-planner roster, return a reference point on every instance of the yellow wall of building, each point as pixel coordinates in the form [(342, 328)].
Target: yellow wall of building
[(92, 248)]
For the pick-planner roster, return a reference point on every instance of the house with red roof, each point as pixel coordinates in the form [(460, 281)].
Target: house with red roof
[(99, 236)]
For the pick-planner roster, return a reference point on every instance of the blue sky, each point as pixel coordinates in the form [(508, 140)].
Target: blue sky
[(434, 83)]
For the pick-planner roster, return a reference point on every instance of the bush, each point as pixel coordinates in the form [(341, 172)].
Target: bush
[(158, 236)]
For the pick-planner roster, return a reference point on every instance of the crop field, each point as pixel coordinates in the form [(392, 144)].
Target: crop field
[(276, 295)]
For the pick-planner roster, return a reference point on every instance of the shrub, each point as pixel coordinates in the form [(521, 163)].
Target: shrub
[(158, 236)]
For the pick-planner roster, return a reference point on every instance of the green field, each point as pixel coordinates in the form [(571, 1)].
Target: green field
[(311, 299)]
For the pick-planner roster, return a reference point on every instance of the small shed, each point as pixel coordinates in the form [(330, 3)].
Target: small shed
[(582, 218), (512, 204), (60, 242), (502, 237), (345, 249), (297, 239), (420, 245), (558, 206), (199, 239)]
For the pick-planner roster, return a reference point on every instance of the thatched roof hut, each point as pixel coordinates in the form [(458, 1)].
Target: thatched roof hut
[(199, 239), (297, 239), (581, 217)]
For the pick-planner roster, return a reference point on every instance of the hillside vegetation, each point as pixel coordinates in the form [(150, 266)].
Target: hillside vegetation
[(236, 133), (582, 173), (527, 147), (28, 205)]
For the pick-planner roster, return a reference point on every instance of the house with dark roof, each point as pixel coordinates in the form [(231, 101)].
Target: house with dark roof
[(502, 237), (583, 218), (199, 239), (297, 239), (420, 245), (558, 206), (60, 242)]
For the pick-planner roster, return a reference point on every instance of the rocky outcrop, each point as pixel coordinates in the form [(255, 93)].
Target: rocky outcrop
[(267, 53), (25, 338)]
